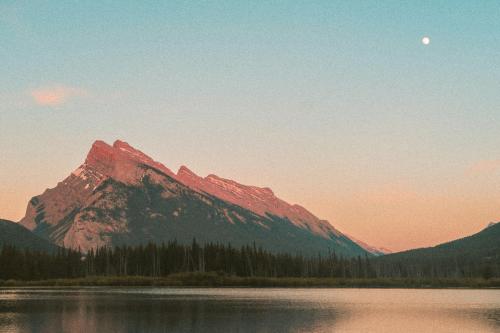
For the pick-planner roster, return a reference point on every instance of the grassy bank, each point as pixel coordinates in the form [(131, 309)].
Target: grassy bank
[(215, 280)]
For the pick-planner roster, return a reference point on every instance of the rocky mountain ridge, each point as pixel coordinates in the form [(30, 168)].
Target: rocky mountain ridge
[(119, 195)]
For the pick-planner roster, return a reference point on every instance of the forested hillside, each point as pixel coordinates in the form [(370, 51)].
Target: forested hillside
[(476, 255), (16, 235)]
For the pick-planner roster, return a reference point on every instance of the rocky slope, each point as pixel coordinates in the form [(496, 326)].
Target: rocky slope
[(121, 196)]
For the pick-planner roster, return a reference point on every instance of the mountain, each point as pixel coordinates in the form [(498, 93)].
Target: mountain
[(377, 251), (16, 235), (483, 244), (479, 252), (261, 201), (120, 196)]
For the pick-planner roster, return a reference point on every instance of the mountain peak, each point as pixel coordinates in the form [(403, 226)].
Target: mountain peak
[(119, 143), (185, 171), (125, 147), (106, 200), (100, 143), (100, 155), (120, 160)]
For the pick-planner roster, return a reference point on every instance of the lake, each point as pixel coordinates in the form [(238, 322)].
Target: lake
[(247, 310)]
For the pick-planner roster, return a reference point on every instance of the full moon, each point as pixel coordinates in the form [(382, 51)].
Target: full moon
[(426, 40)]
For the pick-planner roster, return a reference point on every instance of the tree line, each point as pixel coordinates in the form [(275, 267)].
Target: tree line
[(153, 260)]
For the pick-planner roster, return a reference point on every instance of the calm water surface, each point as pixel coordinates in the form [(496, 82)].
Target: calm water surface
[(248, 310)]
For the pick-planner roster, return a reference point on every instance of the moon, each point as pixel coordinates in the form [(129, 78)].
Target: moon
[(426, 40)]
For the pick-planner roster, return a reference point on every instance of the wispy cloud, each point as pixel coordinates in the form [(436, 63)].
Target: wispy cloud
[(484, 167), (56, 95)]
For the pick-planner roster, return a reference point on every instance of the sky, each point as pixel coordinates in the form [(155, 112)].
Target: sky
[(335, 105)]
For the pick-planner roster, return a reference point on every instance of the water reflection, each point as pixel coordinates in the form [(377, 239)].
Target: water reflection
[(248, 310)]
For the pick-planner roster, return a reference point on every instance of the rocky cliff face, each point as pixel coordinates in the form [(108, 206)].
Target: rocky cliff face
[(261, 201), (121, 196)]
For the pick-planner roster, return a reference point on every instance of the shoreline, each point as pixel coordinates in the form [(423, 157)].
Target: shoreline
[(220, 281)]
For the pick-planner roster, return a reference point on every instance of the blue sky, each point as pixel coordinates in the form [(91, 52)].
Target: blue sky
[(336, 105)]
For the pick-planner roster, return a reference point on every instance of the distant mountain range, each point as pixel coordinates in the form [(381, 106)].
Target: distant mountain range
[(483, 244), (13, 234), (377, 251), (460, 257), (121, 196)]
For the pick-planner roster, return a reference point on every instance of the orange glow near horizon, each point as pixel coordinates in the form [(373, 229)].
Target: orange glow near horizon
[(335, 105), (412, 221)]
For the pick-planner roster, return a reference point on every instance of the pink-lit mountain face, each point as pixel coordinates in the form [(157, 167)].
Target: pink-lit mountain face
[(119, 195), (261, 201)]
